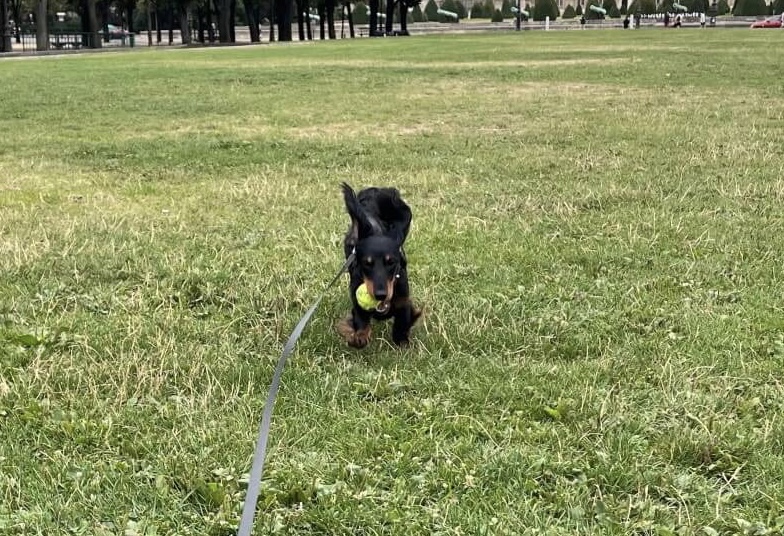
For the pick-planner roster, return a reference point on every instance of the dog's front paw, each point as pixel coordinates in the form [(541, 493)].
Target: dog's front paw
[(358, 338)]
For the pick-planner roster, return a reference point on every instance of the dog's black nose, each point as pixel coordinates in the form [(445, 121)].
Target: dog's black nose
[(380, 294)]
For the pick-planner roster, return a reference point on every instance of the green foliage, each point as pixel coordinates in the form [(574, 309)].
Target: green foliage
[(723, 8), (498, 16), (431, 11), (643, 7), (569, 12), (612, 9), (506, 8), (749, 8), (417, 15), (460, 9), (778, 7), (545, 8), (578, 10), (359, 13), (477, 10), (697, 6), (455, 7), (489, 9), (589, 13), (624, 7)]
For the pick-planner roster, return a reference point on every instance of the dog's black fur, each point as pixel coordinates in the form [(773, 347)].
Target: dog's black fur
[(380, 221)]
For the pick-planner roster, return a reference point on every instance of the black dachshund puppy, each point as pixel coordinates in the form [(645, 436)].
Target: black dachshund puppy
[(380, 221)]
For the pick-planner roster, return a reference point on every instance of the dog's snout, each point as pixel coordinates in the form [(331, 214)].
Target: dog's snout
[(380, 293)]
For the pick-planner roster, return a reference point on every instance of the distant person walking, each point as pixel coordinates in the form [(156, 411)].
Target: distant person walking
[(702, 20)]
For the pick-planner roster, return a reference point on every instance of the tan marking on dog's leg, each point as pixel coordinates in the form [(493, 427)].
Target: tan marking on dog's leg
[(354, 338)]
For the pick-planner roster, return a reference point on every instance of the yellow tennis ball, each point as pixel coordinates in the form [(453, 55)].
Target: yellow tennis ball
[(364, 299)]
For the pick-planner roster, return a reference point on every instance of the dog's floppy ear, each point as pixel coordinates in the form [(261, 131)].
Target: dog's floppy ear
[(361, 227)]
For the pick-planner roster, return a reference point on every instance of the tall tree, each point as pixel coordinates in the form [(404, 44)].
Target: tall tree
[(303, 13), (91, 36), (225, 23), (373, 22), (283, 9), (5, 35), (130, 8), (185, 28), (321, 6), (350, 17), (41, 26), (16, 14), (253, 14), (331, 5)]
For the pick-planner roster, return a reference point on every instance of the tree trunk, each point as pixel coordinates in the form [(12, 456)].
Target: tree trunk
[(283, 10), (330, 5), (232, 18), (322, 15), (373, 21), (308, 23), (158, 36), (185, 27), (257, 12), (403, 18), (171, 23), (5, 35), (104, 22), (300, 19), (129, 11), (253, 21), (350, 17), (149, 25), (16, 13), (93, 36), (272, 17), (210, 27), (200, 25), (223, 20), (390, 16), (41, 26)]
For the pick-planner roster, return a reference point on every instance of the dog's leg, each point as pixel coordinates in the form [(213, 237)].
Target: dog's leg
[(355, 328), (405, 316)]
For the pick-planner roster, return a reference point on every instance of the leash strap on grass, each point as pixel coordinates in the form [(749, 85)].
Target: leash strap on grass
[(257, 469)]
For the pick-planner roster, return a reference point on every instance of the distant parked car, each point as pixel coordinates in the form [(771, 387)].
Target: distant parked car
[(770, 22), (115, 32)]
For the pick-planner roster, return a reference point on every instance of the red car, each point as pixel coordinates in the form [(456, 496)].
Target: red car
[(770, 22)]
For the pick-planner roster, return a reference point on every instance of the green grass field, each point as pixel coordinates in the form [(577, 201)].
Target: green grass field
[(597, 241)]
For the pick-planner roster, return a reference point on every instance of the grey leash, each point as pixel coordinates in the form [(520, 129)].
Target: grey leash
[(257, 469)]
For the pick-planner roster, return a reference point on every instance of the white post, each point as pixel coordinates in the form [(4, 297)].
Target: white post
[(547, 22)]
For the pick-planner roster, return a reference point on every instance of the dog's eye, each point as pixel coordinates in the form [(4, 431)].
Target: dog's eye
[(389, 261), (368, 262)]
